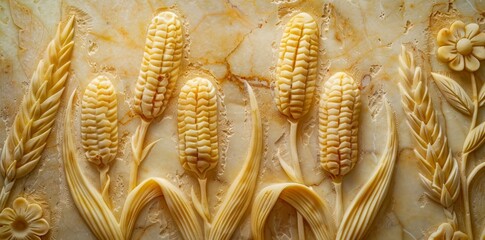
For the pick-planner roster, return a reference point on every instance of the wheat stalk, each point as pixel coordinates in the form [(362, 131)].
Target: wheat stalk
[(33, 123), (99, 128), (296, 75), (439, 172), (160, 69), (338, 130)]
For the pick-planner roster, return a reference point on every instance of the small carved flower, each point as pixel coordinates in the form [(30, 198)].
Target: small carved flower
[(446, 232), (23, 221), (462, 47)]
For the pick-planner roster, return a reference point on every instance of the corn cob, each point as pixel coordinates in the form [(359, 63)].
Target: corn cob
[(297, 66), (99, 127)]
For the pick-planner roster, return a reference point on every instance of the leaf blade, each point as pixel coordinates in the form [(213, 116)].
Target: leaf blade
[(454, 93), (313, 209), (241, 191), (87, 199), (365, 206), (481, 96), (474, 139)]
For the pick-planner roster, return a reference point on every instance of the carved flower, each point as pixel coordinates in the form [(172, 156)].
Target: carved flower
[(462, 47), (446, 232), (23, 221)]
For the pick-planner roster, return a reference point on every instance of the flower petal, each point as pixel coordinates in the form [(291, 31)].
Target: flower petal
[(445, 37), (7, 216), (20, 205), (34, 212), (39, 227), (479, 52), (458, 29), (32, 237), (458, 63), (458, 235), (471, 30), (5, 232), (446, 53), (478, 40), (471, 63)]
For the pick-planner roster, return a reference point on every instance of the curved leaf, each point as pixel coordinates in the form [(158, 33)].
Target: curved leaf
[(454, 93), (303, 199), (362, 211), (88, 200), (182, 212), (474, 139), (481, 96), (241, 191)]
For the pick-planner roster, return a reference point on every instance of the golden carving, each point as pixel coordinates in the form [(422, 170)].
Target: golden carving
[(22, 221), (99, 128), (296, 74), (338, 130), (160, 69), (442, 175), (461, 46), (33, 123)]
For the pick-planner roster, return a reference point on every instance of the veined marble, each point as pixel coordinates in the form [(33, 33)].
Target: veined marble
[(231, 42)]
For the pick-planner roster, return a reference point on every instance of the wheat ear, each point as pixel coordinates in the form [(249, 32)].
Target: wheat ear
[(99, 128), (439, 171), (33, 123), (158, 74)]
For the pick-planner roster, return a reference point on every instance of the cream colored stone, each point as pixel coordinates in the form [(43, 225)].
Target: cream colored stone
[(230, 42)]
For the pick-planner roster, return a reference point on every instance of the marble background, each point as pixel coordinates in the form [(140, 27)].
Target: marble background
[(235, 41)]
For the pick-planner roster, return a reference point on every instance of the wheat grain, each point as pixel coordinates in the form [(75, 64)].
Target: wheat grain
[(34, 122), (160, 67), (339, 125), (197, 126), (439, 172), (297, 66)]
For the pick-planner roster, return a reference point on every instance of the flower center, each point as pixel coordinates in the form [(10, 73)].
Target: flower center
[(464, 46), (19, 225)]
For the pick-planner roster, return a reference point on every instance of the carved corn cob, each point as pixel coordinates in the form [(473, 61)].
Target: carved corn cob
[(297, 66), (197, 126), (99, 128), (197, 129), (160, 66), (159, 72), (296, 74), (99, 122), (339, 125)]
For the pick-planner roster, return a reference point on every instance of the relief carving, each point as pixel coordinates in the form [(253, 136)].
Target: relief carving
[(198, 146), (27, 139), (331, 129), (445, 177)]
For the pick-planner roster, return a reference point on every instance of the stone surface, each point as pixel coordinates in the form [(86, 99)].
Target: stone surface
[(232, 42)]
